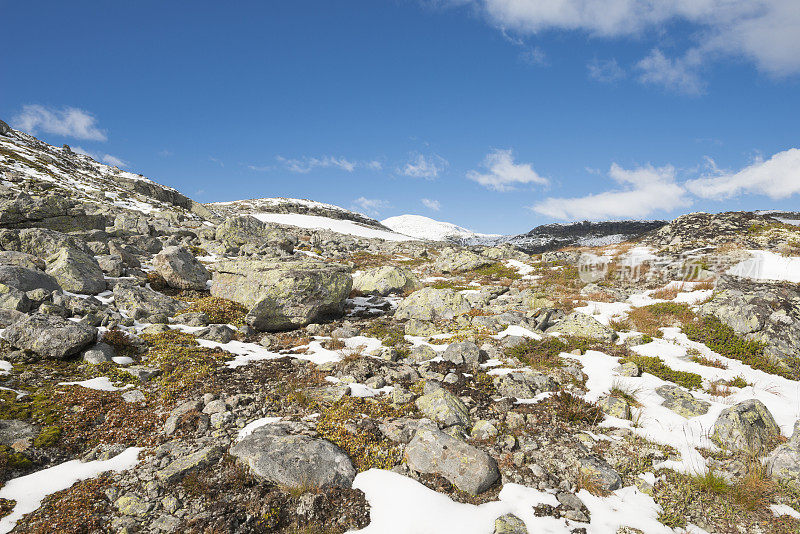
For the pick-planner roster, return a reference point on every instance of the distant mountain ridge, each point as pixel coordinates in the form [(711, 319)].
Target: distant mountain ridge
[(426, 228)]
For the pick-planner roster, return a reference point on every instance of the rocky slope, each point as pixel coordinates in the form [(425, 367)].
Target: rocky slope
[(163, 369), (282, 205), (430, 229), (581, 234)]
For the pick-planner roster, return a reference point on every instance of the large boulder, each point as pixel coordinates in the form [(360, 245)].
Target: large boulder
[(76, 271), (760, 311), (747, 426), (24, 279), (385, 280), (444, 408), (283, 294), (139, 302), (458, 261), (5, 129), (581, 325), (180, 269), (275, 452), (784, 462), (468, 468), (682, 402), (21, 259), (430, 304), (50, 336), (14, 299), (242, 230), (524, 384)]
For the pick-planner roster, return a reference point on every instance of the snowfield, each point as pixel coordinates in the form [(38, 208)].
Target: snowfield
[(432, 230), (335, 225)]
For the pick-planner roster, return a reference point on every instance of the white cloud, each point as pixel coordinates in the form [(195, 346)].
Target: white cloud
[(605, 71), (434, 205), (766, 32), (306, 165), (67, 122), (503, 173), (534, 56), (421, 166), (108, 159), (371, 206), (778, 177), (645, 190), (679, 74), (260, 168)]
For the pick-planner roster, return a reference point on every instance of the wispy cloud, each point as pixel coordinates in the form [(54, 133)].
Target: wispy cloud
[(306, 165), (260, 168), (534, 56), (165, 153), (67, 122), (764, 32), (605, 70), (371, 206), (434, 205), (679, 75), (644, 190), (216, 160), (503, 174), (108, 159), (777, 178), (422, 166)]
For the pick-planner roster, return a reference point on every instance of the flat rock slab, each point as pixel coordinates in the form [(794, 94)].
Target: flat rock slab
[(182, 466), (283, 295), (468, 468), (50, 336), (294, 460)]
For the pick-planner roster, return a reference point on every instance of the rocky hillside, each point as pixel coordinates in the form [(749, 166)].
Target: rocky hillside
[(581, 234), (430, 229), (282, 205), (166, 370)]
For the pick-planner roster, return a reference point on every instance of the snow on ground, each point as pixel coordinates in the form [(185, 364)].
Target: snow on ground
[(660, 424), (5, 367), (244, 353), (401, 505), (29, 491), (101, 383), (422, 227), (766, 265), (336, 225), (253, 425)]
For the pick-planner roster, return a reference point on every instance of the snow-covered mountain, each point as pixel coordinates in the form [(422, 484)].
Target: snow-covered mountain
[(426, 228), (310, 214)]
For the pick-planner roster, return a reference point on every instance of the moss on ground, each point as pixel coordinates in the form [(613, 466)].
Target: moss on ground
[(367, 447), (721, 338), (656, 367), (219, 310), (185, 365)]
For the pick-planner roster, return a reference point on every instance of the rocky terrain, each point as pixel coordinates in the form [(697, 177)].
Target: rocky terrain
[(169, 366)]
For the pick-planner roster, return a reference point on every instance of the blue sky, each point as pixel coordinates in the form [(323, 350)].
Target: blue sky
[(497, 115)]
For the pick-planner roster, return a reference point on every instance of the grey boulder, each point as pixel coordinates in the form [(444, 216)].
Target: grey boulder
[(76, 271), (431, 304), (24, 279), (386, 280), (284, 295), (50, 336), (140, 302), (293, 460), (747, 426), (180, 269), (468, 468), (581, 325)]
